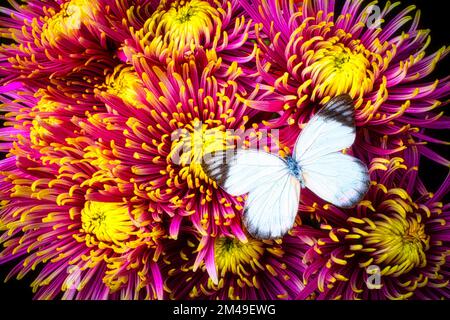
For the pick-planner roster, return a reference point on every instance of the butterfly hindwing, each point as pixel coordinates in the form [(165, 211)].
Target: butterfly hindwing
[(270, 209)]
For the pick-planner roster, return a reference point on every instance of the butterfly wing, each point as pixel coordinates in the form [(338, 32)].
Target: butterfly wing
[(273, 193), (329, 130), (240, 172), (271, 208), (335, 177)]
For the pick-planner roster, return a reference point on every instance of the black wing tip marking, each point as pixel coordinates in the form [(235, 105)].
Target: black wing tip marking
[(217, 169), (258, 234), (341, 109), (345, 97), (343, 101)]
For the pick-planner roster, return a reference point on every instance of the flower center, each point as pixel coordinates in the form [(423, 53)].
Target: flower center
[(123, 83), (192, 143), (231, 254), (186, 21), (401, 243), (185, 13), (335, 69), (72, 14), (108, 222)]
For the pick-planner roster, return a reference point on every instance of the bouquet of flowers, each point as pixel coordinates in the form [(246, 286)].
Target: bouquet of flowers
[(98, 96)]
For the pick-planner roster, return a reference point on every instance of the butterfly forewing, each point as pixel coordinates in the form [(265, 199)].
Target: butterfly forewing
[(329, 130), (335, 177)]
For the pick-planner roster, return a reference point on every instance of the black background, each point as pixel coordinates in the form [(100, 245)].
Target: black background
[(435, 16)]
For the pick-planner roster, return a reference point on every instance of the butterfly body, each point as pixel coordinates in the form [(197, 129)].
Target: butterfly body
[(273, 184), (294, 169)]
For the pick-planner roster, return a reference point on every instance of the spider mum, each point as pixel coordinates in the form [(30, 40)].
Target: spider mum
[(53, 40), (62, 214), (312, 52), (264, 270), (177, 28), (393, 245), (158, 141), (56, 52)]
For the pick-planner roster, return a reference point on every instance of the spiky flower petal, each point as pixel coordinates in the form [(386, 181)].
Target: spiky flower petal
[(393, 245)]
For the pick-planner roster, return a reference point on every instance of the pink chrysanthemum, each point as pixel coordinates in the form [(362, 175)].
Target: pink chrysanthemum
[(257, 269), (57, 52), (53, 39), (120, 19), (396, 234), (108, 108), (310, 52), (61, 210), (177, 28), (157, 134)]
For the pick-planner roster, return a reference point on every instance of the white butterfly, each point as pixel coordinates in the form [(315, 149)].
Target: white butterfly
[(273, 183)]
